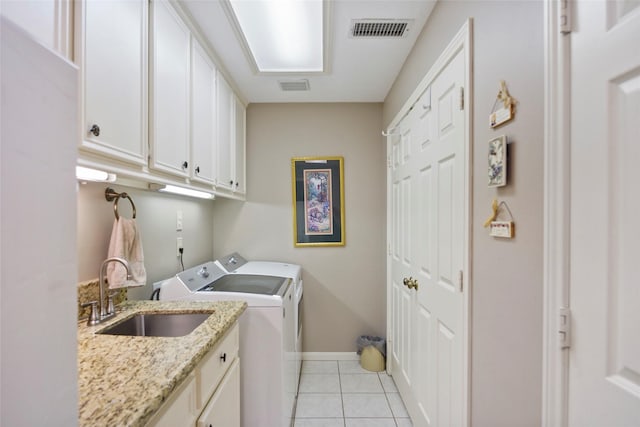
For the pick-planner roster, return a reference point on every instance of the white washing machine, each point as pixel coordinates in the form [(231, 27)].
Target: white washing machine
[(269, 331), (236, 264)]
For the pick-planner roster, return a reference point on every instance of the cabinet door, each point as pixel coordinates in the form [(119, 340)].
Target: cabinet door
[(113, 54), (203, 115), (48, 21), (223, 410), (180, 409), (239, 152), (170, 91), (226, 112)]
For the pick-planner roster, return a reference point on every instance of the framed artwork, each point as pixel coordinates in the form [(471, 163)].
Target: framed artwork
[(318, 201), (498, 162)]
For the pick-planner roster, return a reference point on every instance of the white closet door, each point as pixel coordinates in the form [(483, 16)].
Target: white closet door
[(604, 361), (427, 252), (439, 205), (402, 260)]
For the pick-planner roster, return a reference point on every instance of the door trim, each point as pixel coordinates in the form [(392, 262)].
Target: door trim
[(557, 209), (462, 41)]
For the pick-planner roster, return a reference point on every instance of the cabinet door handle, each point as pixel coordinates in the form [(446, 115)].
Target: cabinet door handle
[(231, 182), (223, 357), (237, 183), (95, 130), (197, 169), (185, 165)]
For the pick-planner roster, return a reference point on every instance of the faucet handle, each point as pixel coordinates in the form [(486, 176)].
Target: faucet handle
[(110, 306), (94, 317)]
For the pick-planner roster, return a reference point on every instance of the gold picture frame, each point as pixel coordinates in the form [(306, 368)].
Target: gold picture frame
[(318, 201)]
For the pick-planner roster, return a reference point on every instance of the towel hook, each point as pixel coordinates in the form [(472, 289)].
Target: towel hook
[(113, 196)]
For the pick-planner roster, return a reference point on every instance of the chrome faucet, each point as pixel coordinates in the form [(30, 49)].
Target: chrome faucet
[(106, 310)]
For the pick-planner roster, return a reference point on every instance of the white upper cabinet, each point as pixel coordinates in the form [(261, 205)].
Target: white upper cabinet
[(155, 106), (170, 77), (231, 140), (203, 115), (226, 112), (240, 148), (48, 21), (112, 51)]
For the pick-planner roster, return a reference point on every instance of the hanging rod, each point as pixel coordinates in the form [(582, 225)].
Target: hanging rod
[(113, 196), (391, 132)]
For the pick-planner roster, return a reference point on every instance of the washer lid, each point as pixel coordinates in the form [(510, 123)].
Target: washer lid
[(249, 283)]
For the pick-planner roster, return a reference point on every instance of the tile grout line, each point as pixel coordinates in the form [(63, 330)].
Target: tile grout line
[(344, 416), (385, 392)]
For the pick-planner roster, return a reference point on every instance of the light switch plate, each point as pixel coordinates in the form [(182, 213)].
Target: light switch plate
[(179, 221)]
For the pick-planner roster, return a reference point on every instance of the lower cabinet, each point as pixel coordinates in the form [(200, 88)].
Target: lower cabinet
[(210, 395), (223, 409), (180, 410)]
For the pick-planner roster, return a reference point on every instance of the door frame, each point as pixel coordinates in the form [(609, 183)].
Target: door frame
[(462, 41), (557, 210)]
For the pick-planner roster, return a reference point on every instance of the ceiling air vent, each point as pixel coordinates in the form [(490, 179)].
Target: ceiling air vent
[(294, 85), (389, 28)]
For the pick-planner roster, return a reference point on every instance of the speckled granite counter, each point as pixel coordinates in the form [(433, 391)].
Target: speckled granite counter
[(124, 380)]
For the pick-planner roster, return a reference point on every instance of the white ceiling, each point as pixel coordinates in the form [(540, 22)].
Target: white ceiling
[(361, 70)]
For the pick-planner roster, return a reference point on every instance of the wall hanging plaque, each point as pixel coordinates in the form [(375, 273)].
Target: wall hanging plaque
[(318, 201), (504, 229), (503, 107), (497, 167)]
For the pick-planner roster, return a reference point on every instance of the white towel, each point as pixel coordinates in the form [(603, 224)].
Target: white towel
[(126, 243)]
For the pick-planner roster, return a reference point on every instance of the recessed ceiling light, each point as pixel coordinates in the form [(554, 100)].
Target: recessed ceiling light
[(282, 35)]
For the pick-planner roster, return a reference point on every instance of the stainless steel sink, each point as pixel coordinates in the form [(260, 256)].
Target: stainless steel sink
[(157, 325)]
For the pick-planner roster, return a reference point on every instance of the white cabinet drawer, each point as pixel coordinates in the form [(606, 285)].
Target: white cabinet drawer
[(223, 410), (215, 364)]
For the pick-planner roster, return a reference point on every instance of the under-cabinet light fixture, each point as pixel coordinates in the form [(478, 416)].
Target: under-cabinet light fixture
[(88, 174), (282, 35), (181, 191)]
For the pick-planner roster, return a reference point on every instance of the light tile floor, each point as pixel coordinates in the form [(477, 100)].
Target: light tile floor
[(343, 394)]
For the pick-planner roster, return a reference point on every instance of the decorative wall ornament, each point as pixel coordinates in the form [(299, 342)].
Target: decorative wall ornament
[(497, 162), (503, 108), (504, 229)]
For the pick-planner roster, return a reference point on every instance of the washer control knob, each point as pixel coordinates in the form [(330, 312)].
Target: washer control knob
[(203, 272)]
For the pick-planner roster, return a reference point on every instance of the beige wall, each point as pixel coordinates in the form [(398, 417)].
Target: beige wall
[(506, 274), (344, 287), (156, 217)]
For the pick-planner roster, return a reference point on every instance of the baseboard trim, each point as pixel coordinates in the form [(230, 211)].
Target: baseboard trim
[(312, 355)]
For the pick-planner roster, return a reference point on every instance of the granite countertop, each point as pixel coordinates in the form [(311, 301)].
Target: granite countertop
[(124, 380)]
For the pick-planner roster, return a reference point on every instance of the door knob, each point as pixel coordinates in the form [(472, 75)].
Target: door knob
[(413, 284), (95, 130)]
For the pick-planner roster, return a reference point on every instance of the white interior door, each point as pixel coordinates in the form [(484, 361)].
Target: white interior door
[(439, 242), (402, 257), (428, 205), (604, 361)]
